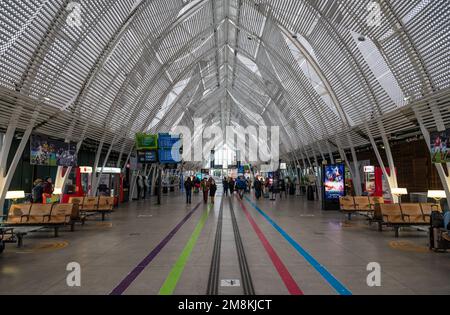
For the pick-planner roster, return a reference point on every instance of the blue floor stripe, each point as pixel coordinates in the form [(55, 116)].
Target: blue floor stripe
[(339, 287)]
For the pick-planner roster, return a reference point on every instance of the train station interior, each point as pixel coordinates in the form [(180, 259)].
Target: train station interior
[(225, 147)]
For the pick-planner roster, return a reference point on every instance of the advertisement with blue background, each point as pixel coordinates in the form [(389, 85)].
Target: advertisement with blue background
[(334, 181)]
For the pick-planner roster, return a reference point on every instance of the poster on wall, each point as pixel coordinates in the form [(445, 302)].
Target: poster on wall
[(334, 181), (440, 146), (47, 152)]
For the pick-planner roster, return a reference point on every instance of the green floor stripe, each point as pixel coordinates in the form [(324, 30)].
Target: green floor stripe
[(175, 274)]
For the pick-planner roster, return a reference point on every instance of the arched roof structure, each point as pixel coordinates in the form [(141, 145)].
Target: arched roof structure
[(321, 70)]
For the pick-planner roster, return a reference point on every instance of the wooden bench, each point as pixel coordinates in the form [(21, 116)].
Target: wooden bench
[(102, 204), (45, 215), (399, 215), (347, 205), (359, 204)]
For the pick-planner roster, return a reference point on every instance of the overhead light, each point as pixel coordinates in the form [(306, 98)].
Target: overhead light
[(436, 194), (362, 38), (294, 36), (15, 194), (399, 191)]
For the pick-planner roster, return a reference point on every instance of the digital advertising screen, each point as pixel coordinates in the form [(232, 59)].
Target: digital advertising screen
[(147, 156), (145, 141), (440, 146), (334, 181), (48, 152)]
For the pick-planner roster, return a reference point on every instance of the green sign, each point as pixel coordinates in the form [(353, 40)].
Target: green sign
[(145, 141)]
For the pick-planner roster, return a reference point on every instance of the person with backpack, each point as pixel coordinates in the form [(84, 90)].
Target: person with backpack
[(212, 190), (38, 190), (188, 187)]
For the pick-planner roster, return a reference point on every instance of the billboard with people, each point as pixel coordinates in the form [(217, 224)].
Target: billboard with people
[(334, 181), (440, 146), (48, 152)]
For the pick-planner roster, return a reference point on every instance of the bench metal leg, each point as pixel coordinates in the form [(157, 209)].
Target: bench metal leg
[(56, 231), (349, 216), (396, 228), (19, 240), (72, 227), (103, 216), (380, 226)]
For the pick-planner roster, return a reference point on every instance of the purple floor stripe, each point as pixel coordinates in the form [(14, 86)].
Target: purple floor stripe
[(125, 283)]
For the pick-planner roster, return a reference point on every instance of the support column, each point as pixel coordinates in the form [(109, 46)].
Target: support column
[(7, 175), (94, 169), (97, 178), (392, 178), (330, 152)]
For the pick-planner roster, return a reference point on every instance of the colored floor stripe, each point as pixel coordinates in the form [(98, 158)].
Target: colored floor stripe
[(339, 287), (125, 283), (284, 273), (175, 274)]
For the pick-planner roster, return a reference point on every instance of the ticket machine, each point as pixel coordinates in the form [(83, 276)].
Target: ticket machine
[(78, 184)]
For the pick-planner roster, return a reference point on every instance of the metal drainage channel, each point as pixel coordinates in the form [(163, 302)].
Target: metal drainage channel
[(213, 282)]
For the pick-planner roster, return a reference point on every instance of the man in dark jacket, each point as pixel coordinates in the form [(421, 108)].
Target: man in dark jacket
[(225, 186), (258, 188), (188, 187)]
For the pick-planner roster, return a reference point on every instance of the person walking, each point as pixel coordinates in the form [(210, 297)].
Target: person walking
[(205, 188), (258, 188), (231, 186), (241, 184), (225, 186), (188, 188), (212, 190)]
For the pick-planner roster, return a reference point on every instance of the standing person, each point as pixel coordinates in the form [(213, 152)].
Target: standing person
[(212, 190), (196, 185), (205, 188), (282, 187), (145, 179), (225, 186), (38, 189), (275, 188), (140, 185), (258, 188), (240, 186), (48, 186), (267, 185), (188, 187), (231, 186)]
